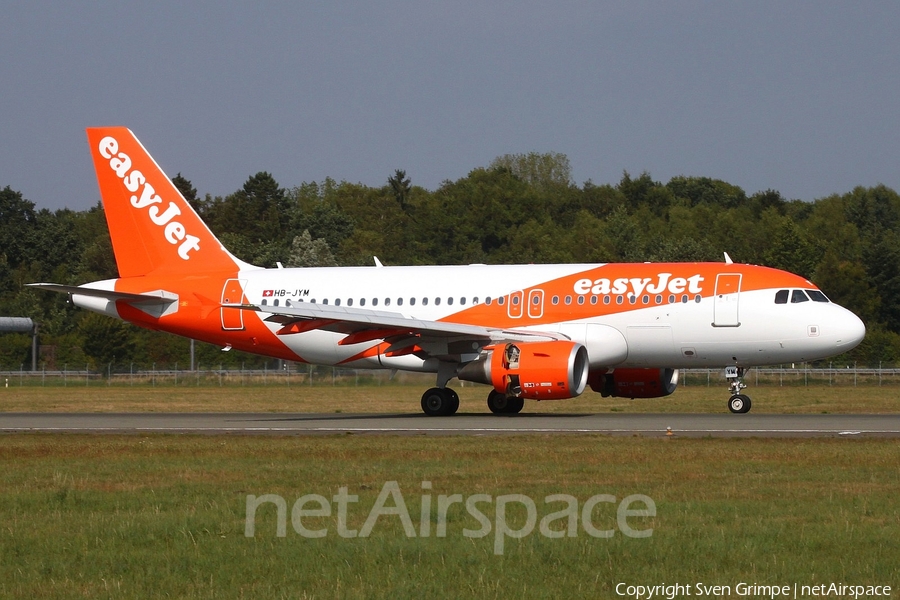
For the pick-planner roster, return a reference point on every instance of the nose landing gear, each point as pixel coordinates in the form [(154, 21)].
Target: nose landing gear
[(738, 403)]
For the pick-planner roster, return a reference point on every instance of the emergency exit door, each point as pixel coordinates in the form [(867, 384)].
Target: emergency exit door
[(233, 293), (726, 303)]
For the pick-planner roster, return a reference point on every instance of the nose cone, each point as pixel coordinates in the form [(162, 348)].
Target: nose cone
[(849, 330)]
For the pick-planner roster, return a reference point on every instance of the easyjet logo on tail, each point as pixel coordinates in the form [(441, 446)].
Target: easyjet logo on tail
[(146, 197), (636, 285)]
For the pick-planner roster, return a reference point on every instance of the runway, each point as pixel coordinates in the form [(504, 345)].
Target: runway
[(650, 425)]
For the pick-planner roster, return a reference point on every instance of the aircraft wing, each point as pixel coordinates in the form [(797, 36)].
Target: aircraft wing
[(445, 341)]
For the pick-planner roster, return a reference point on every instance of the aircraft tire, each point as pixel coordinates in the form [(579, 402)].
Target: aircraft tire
[(739, 404), (501, 404), (437, 402), (454, 401)]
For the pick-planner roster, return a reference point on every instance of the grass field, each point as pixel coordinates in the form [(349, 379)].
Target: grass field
[(165, 516), (405, 399)]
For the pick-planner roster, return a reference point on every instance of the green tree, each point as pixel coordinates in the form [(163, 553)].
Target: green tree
[(106, 340), (17, 219), (309, 252), (543, 170), (401, 186)]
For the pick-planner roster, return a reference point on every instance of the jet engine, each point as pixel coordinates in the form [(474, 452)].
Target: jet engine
[(535, 370), (634, 383)]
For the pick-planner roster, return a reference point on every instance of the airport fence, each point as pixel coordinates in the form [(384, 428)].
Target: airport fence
[(292, 374)]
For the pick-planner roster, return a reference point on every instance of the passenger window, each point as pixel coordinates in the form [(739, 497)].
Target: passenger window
[(632, 299), (605, 299), (487, 300), (399, 301), (362, 301), (798, 296), (437, 301), (698, 298), (580, 299), (817, 296), (374, 301), (263, 303), (462, 301), (620, 299), (781, 296), (425, 301), (684, 299), (450, 300), (412, 301), (555, 300), (349, 301), (501, 300), (275, 302), (337, 302), (645, 299), (593, 299), (659, 299), (475, 300), (671, 299), (568, 300), (387, 301), (325, 301)]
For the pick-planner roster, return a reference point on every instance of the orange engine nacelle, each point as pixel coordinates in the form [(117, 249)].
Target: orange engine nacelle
[(634, 383), (535, 370)]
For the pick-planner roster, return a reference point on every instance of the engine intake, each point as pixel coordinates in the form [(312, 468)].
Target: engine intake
[(535, 370)]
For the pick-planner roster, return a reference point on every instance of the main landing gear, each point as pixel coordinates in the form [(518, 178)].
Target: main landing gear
[(440, 402), (501, 404), (738, 403)]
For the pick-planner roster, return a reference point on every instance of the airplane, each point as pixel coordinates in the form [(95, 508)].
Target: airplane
[(535, 332)]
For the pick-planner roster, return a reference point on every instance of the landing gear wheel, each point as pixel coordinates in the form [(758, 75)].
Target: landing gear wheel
[(497, 402), (514, 405), (501, 404), (454, 401), (739, 403), (440, 402)]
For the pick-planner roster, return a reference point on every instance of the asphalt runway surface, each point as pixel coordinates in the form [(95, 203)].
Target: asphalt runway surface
[(650, 425)]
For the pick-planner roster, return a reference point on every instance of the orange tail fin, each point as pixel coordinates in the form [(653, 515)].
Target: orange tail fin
[(152, 226)]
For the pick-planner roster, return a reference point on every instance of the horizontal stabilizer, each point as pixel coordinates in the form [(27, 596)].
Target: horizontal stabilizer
[(159, 297)]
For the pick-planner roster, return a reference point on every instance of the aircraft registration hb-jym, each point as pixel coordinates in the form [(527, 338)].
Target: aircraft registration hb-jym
[(539, 332)]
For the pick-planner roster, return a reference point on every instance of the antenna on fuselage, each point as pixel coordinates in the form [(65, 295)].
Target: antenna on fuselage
[(377, 262), (728, 260)]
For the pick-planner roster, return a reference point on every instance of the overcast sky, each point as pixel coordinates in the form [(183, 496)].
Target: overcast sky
[(801, 97)]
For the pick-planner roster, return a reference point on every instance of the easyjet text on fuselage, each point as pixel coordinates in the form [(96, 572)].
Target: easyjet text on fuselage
[(635, 286)]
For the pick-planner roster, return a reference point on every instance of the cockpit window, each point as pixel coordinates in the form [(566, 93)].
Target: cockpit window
[(817, 296), (781, 296), (798, 296)]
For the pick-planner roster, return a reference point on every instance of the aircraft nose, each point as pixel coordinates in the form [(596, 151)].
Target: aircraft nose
[(849, 328)]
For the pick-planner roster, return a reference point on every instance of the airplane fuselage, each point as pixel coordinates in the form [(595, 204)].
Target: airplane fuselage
[(627, 315)]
